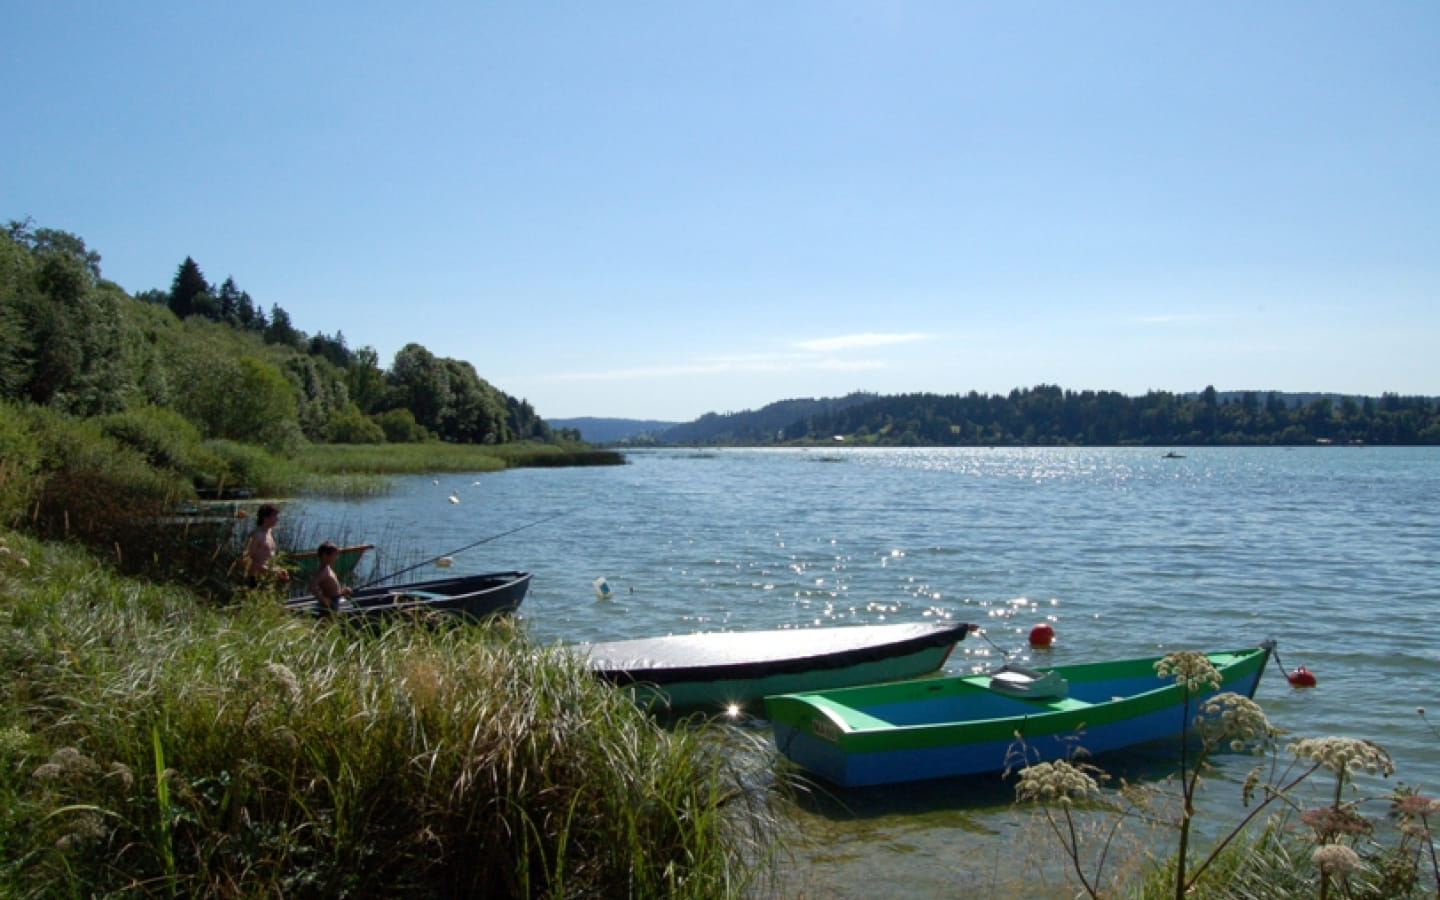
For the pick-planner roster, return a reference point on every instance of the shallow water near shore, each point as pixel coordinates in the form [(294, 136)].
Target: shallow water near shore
[(1332, 551)]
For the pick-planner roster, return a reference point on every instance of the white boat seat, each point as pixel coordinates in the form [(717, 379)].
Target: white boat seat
[(1028, 684)]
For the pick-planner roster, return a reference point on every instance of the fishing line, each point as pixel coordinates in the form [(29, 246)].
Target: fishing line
[(484, 540), (1003, 654)]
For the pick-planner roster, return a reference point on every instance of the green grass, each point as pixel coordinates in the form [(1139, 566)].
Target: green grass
[(435, 456), (155, 746)]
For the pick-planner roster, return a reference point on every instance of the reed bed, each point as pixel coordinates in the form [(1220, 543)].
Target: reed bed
[(396, 459), (435, 456), (154, 746)]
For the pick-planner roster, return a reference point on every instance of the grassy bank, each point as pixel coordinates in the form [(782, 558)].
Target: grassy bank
[(433, 456), (122, 484), (156, 746)]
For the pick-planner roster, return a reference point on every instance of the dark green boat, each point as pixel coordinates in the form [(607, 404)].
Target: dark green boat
[(304, 564)]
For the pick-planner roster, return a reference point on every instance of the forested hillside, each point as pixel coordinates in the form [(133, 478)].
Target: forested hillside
[(760, 426), (600, 430), (75, 343), (1049, 415)]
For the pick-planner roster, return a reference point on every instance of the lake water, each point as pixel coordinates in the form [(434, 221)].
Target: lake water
[(1332, 551)]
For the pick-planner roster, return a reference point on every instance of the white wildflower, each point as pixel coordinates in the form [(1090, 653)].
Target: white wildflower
[(1343, 755), (1191, 670), (122, 773), (1054, 782), (286, 679), (13, 741), (1233, 716), (67, 762), (1336, 858), (84, 829)]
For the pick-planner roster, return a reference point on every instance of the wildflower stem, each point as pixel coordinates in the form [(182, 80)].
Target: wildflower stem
[(1075, 854), (1270, 796), (1434, 862), (1188, 782), (1428, 723)]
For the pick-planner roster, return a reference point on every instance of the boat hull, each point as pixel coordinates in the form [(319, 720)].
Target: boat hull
[(469, 597), (306, 563), (884, 734), (728, 670)]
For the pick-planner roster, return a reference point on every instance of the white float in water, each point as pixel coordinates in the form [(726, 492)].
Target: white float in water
[(602, 589), (445, 562)]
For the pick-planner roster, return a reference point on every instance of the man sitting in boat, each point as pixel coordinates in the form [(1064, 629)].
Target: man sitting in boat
[(324, 585)]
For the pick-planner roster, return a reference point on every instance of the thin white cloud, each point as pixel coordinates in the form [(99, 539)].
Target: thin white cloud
[(1171, 319), (729, 365), (850, 341), (847, 365), (813, 355)]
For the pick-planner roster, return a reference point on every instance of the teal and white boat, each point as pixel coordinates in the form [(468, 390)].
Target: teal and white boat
[(972, 724), (729, 670)]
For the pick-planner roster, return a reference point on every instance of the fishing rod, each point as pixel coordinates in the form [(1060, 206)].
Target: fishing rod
[(484, 540)]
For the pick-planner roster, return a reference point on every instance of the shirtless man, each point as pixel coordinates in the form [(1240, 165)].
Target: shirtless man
[(324, 585), (260, 549)]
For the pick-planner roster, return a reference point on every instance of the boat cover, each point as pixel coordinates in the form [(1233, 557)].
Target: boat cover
[(754, 654)]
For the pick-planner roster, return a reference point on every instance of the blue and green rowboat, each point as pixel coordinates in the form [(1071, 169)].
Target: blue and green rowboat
[(973, 724)]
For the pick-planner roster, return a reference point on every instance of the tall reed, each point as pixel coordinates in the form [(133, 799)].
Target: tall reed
[(153, 747), (434, 456)]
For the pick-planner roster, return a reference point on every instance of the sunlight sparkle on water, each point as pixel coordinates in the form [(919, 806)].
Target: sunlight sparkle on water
[(1141, 550)]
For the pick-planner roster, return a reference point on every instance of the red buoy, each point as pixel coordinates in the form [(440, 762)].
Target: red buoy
[(1301, 677), (1041, 635)]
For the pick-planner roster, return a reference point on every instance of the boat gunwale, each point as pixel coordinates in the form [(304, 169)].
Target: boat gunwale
[(942, 636), (372, 601), (882, 735)]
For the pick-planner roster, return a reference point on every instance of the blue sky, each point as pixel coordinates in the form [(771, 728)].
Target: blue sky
[(658, 210)]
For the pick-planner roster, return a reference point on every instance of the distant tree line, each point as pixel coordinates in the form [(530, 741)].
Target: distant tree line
[(1046, 415), (762, 425), (76, 343)]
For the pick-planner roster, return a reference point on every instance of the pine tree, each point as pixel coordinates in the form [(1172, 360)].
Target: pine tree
[(229, 298), (280, 331), (189, 282)]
